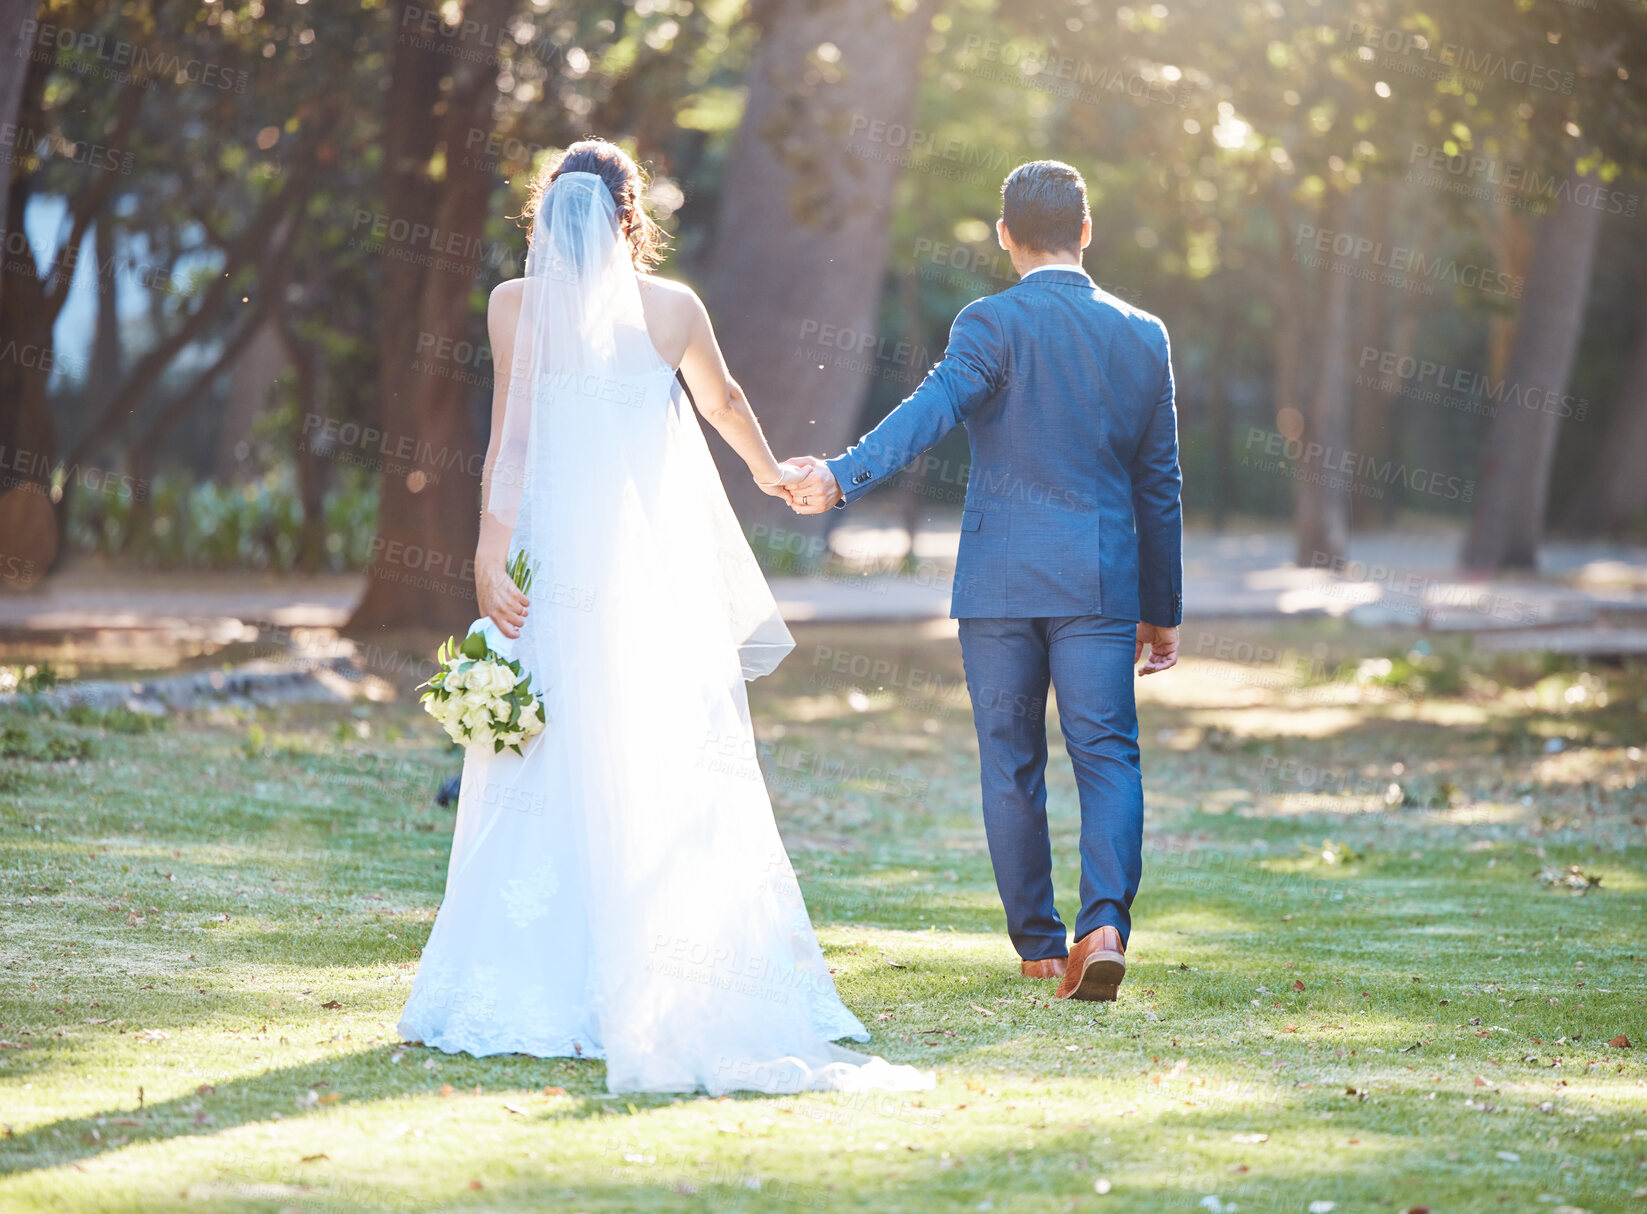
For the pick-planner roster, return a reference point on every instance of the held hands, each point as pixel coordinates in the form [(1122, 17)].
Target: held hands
[(806, 483), (1163, 648)]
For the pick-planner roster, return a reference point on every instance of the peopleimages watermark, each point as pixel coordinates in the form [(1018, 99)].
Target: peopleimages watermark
[(427, 245), (30, 255), (1474, 175), (117, 59), (1417, 593), (921, 150), (1412, 54), (1070, 79), (1396, 265), (21, 466), (479, 41), (774, 979), (992, 265), (1423, 380), (1357, 472), (18, 142), (376, 450), (861, 351)]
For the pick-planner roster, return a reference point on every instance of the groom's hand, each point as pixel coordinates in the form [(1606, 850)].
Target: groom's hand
[(1163, 648), (818, 491)]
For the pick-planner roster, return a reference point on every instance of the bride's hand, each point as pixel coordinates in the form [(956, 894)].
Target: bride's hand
[(788, 475), (503, 602)]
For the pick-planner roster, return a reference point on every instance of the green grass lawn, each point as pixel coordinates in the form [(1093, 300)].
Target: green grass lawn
[(1363, 973)]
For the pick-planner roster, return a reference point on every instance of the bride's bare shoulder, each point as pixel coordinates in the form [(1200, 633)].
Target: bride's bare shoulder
[(666, 295), (507, 293)]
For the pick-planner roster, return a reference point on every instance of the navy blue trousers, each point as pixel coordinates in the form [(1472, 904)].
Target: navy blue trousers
[(1087, 661)]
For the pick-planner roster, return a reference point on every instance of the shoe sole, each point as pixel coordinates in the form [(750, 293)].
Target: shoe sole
[(1101, 977)]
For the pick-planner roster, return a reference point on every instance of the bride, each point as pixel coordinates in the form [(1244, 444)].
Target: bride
[(619, 890)]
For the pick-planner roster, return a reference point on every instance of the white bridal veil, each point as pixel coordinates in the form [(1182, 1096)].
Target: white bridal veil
[(621, 890)]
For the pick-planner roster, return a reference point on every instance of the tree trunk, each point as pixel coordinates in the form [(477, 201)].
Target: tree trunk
[(12, 52), (1618, 499), (1322, 522), (804, 224), (311, 482), (29, 519), (251, 383), (1370, 407), (1515, 479), (422, 569), (1218, 417)]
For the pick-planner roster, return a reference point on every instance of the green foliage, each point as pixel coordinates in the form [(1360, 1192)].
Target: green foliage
[(204, 524), (28, 679), (19, 740), (119, 719)]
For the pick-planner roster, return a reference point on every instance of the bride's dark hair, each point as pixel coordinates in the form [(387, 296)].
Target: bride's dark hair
[(626, 182)]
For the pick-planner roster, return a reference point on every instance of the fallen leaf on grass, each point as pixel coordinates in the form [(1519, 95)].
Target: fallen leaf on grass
[(1297, 984), (1572, 877), (1621, 1042), (552, 1091), (984, 1010), (333, 1004), (315, 1158)]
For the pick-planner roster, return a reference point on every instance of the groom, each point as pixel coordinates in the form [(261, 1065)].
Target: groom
[(1070, 560)]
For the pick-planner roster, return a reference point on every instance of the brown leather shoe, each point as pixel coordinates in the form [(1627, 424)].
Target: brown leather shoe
[(1050, 967), (1097, 964)]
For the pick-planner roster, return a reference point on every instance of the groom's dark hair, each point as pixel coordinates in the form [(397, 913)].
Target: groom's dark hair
[(1044, 203)]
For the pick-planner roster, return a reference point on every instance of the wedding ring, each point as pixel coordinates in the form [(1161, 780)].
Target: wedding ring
[(806, 501)]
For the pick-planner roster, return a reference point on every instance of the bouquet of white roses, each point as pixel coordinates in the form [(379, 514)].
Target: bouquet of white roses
[(480, 693)]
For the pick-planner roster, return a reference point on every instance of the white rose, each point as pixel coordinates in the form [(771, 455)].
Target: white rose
[(455, 678), (477, 720)]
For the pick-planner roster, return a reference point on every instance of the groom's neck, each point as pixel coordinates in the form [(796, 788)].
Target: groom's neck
[(1024, 260)]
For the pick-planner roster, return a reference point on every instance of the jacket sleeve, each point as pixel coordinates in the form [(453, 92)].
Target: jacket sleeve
[(972, 370), (1157, 510)]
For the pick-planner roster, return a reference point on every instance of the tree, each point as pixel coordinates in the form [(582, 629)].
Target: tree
[(801, 238), (13, 43), (1618, 497), (429, 501), (1508, 522)]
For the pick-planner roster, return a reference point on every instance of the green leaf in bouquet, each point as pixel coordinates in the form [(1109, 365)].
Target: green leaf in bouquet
[(474, 646), (520, 572)]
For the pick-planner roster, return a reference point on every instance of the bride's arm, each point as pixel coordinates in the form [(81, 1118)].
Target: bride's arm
[(498, 595), (722, 403)]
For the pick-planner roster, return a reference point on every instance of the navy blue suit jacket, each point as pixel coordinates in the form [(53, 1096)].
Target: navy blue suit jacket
[(1072, 501)]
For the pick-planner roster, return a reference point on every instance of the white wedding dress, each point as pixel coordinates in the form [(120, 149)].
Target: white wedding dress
[(620, 891)]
